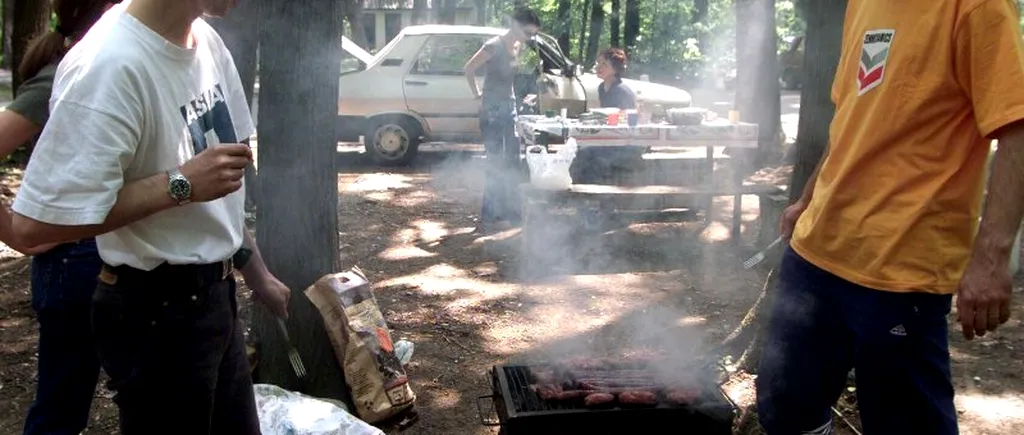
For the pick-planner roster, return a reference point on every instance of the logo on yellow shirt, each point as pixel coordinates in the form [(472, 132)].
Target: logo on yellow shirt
[(873, 56)]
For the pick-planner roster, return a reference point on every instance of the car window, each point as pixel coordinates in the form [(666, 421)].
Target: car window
[(447, 54)]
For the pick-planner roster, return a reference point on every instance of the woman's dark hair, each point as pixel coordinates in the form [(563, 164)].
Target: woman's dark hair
[(74, 18), (616, 58), (525, 17)]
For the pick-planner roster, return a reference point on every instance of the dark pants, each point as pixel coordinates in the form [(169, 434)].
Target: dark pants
[(504, 168), (63, 281), (822, 326), (606, 165), (171, 342)]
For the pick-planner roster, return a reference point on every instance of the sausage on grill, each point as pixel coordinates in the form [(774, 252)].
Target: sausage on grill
[(638, 398), (598, 399)]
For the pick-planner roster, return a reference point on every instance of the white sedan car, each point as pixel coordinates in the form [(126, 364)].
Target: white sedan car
[(414, 90)]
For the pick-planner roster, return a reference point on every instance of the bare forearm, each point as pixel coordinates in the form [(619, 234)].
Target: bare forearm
[(1004, 205), (137, 200), (471, 80)]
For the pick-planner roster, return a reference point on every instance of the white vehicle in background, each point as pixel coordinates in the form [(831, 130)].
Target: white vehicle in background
[(414, 90)]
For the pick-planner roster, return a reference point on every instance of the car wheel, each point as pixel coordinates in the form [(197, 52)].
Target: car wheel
[(392, 141)]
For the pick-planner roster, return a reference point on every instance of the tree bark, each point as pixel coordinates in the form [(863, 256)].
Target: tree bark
[(615, 22), (581, 42), (757, 77), (447, 15), (240, 32), (596, 30), (822, 46), (31, 19), (564, 25), (824, 26), (631, 31), (481, 12), (297, 228)]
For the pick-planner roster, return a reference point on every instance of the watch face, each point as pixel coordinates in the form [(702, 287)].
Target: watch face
[(180, 189)]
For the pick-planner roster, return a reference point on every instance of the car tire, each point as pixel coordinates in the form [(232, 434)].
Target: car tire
[(392, 141)]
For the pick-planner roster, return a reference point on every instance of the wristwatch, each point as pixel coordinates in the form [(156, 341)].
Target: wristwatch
[(178, 187)]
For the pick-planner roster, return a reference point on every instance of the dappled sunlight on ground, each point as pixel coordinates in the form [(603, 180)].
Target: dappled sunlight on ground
[(992, 411)]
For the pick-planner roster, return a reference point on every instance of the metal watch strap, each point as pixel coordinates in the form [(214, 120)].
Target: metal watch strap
[(178, 187)]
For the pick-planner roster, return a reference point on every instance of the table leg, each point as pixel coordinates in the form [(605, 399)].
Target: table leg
[(709, 180)]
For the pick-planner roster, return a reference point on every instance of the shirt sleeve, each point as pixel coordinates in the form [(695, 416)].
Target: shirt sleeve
[(33, 98), (77, 167), (989, 64)]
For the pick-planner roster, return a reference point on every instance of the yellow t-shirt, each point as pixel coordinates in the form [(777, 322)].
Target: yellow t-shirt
[(921, 87)]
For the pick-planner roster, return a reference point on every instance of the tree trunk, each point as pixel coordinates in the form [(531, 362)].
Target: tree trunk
[(822, 46), (615, 23), (353, 12), (757, 77), (447, 15), (824, 27), (481, 12), (7, 30), (420, 12), (596, 30), (631, 31), (564, 25), (297, 228), (31, 19), (240, 32), (581, 42)]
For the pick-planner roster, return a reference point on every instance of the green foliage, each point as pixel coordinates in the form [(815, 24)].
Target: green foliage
[(671, 47)]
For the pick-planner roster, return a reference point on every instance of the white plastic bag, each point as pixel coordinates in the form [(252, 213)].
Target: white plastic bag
[(283, 412), (551, 171)]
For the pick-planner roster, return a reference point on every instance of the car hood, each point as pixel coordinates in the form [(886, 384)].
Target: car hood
[(664, 95), (356, 51)]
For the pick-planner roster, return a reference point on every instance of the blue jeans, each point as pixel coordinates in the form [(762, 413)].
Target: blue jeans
[(63, 281), (504, 168), (822, 326)]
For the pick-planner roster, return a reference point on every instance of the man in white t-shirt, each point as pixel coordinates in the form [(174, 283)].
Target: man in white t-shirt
[(145, 150)]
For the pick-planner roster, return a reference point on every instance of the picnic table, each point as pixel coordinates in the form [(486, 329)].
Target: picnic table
[(710, 139)]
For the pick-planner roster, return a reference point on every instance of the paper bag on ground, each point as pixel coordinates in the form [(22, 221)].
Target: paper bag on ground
[(362, 343)]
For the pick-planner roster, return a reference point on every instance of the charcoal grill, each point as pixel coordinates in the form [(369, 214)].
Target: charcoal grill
[(521, 411)]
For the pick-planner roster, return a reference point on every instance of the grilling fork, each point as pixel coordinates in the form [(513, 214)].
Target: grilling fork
[(293, 355), (760, 256)]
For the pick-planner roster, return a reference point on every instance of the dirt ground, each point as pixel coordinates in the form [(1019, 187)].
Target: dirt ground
[(669, 288)]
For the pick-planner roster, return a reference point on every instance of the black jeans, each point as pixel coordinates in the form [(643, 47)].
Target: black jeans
[(172, 345), (63, 281)]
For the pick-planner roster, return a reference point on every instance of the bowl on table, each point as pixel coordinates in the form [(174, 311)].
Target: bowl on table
[(687, 116)]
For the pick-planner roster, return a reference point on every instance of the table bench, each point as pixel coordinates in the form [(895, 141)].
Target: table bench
[(538, 203)]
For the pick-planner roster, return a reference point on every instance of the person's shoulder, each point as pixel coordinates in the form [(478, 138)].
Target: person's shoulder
[(205, 33)]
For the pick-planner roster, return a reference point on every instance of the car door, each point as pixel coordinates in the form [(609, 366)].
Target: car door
[(436, 89)]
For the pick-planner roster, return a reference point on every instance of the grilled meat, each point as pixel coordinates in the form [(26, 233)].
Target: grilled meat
[(682, 396), (638, 398), (598, 399)]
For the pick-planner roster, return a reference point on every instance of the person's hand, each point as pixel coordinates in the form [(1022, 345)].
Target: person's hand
[(217, 171), (983, 299), (272, 293), (789, 217), (35, 250)]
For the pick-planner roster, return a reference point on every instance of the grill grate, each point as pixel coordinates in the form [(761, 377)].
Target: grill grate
[(521, 411)]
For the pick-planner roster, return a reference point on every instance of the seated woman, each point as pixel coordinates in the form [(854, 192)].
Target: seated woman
[(603, 165)]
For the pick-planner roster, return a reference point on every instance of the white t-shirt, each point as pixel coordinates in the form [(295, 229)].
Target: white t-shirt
[(128, 104)]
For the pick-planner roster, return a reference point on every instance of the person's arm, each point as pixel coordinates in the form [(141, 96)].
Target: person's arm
[(474, 63), (989, 66), (15, 131), (137, 200)]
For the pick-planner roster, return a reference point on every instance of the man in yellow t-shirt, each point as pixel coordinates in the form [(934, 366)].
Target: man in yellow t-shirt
[(887, 228)]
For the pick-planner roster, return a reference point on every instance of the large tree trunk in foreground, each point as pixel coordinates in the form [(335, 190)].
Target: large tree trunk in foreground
[(564, 25), (31, 19), (297, 226), (757, 76), (631, 26), (822, 47), (824, 27), (240, 32)]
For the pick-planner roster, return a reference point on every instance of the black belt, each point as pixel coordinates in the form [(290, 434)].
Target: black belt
[(211, 272)]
